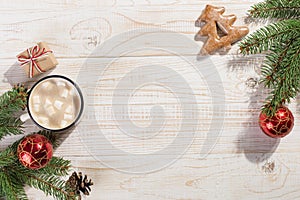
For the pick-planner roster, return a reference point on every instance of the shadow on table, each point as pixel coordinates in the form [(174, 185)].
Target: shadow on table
[(15, 74), (222, 51), (256, 146)]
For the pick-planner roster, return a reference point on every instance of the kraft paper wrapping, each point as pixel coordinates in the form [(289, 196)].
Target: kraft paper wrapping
[(46, 62)]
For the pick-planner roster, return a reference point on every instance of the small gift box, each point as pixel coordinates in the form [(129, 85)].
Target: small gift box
[(37, 59)]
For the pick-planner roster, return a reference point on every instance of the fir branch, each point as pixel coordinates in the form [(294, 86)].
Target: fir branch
[(264, 38), (2, 195), (13, 127), (274, 62), (57, 167), (7, 157), (280, 9), (12, 102), (46, 179), (10, 185), (281, 41), (287, 85), (50, 185)]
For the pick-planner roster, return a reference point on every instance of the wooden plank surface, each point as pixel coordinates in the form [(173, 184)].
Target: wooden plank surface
[(244, 163)]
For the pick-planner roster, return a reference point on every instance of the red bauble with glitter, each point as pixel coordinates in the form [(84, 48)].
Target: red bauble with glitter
[(35, 151), (279, 125)]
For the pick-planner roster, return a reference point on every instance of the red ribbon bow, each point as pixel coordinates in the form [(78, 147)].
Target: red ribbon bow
[(34, 54)]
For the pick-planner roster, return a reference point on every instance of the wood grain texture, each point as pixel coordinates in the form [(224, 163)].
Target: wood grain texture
[(244, 163)]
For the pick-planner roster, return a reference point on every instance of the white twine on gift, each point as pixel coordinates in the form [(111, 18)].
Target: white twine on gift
[(34, 55)]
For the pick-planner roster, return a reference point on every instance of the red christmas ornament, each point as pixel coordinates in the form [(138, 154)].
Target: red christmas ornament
[(35, 151), (279, 125)]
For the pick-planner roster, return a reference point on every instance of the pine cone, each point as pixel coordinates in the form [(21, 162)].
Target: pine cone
[(76, 184)]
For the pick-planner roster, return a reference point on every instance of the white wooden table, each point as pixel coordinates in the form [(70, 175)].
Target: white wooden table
[(243, 164)]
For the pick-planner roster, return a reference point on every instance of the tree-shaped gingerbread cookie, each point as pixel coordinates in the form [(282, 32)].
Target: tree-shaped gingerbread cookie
[(213, 18)]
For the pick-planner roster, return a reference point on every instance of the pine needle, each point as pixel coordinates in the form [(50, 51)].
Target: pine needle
[(11, 103), (10, 185), (15, 176), (280, 41), (280, 9), (50, 185), (263, 39), (57, 166)]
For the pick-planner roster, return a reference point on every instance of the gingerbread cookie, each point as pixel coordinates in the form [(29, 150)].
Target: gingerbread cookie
[(213, 18)]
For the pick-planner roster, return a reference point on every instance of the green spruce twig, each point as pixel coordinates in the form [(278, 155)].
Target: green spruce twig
[(263, 39), (57, 166), (280, 41), (11, 187), (11, 103), (15, 176), (280, 9), (50, 185)]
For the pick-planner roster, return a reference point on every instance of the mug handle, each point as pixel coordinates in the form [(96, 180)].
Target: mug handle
[(24, 117)]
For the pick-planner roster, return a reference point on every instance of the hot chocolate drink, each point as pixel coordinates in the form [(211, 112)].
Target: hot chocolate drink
[(54, 103)]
